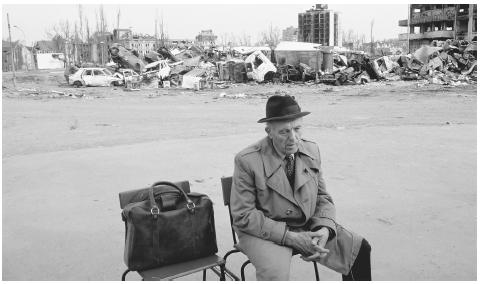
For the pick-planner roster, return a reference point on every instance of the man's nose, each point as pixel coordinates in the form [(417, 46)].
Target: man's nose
[(292, 136)]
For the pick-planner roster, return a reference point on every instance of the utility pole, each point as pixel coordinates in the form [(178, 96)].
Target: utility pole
[(408, 28), (455, 22), (11, 51), (156, 28), (118, 19), (371, 37)]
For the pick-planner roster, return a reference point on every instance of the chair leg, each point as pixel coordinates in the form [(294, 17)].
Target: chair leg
[(125, 274), (204, 275), (229, 253), (317, 277), (242, 269), (222, 272)]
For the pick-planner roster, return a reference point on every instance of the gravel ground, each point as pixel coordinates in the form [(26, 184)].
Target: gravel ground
[(399, 159)]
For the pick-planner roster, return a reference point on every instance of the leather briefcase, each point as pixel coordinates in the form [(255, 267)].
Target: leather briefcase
[(169, 227)]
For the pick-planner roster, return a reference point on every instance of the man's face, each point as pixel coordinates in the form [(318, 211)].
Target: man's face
[(285, 135)]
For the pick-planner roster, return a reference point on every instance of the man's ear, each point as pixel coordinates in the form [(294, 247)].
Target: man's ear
[(268, 130)]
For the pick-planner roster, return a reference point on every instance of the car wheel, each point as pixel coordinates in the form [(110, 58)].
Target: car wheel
[(77, 84)]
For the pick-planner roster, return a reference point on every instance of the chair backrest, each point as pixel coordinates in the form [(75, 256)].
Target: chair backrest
[(226, 190), (137, 195)]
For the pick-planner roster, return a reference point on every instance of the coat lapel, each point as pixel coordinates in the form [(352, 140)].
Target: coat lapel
[(303, 173), (276, 177)]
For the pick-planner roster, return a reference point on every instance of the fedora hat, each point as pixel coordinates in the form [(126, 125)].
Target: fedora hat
[(282, 108)]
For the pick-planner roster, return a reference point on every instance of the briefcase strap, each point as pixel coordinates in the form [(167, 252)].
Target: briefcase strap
[(153, 205)]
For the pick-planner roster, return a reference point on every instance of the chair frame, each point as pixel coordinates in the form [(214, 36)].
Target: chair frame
[(226, 191), (209, 262)]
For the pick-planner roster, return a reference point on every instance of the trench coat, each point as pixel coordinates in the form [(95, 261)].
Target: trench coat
[(264, 205)]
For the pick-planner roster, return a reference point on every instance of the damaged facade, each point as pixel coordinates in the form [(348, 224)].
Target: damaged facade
[(206, 38), (429, 22)]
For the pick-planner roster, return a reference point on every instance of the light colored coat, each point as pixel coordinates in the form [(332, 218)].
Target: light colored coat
[(264, 206), (262, 200)]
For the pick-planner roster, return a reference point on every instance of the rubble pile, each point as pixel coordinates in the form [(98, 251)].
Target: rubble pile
[(451, 63)]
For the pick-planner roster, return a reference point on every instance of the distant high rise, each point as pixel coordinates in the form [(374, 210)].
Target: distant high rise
[(428, 22), (320, 25)]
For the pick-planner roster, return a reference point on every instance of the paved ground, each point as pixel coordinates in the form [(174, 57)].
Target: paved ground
[(399, 160)]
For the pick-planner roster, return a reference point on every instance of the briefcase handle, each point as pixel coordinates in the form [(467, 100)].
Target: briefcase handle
[(153, 205)]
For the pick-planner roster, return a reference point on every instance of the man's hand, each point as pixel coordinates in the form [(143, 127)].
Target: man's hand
[(301, 241), (319, 239)]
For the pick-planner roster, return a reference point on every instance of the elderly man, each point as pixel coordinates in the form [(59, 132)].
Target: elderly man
[(280, 206)]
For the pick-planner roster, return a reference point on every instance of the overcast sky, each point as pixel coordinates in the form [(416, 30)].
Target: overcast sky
[(187, 20)]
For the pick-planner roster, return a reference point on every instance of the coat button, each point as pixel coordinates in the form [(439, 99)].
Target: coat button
[(289, 211)]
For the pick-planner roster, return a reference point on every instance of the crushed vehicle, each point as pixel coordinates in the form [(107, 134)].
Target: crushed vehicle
[(161, 67), (259, 67), (93, 77), (125, 58), (127, 77)]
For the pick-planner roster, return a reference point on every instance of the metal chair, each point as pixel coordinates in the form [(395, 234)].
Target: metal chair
[(173, 271), (226, 190)]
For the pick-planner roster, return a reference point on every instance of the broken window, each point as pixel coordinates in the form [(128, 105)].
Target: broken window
[(416, 29), (98, 73), (463, 9), (257, 62), (88, 72)]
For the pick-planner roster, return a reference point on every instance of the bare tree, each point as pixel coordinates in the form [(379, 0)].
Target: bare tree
[(60, 35), (233, 40), (87, 30), (271, 37), (224, 39), (80, 16), (245, 39)]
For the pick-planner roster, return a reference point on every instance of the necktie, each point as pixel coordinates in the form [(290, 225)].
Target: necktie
[(290, 169)]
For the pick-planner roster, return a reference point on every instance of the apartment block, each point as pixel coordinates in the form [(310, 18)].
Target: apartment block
[(428, 22), (320, 25)]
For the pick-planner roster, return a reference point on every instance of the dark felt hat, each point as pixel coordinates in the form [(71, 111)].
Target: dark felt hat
[(282, 108)]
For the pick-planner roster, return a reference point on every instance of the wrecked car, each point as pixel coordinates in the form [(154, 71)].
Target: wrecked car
[(162, 66), (125, 58), (93, 77), (259, 68), (126, 76)]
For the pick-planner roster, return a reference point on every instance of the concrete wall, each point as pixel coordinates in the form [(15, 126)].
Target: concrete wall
[(312, 58), (47, 61)]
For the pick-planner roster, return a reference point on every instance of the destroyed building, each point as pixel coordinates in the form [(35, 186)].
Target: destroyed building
[(320, 25), (206, 38), (429, 22), (23, 56), (141, 43)]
